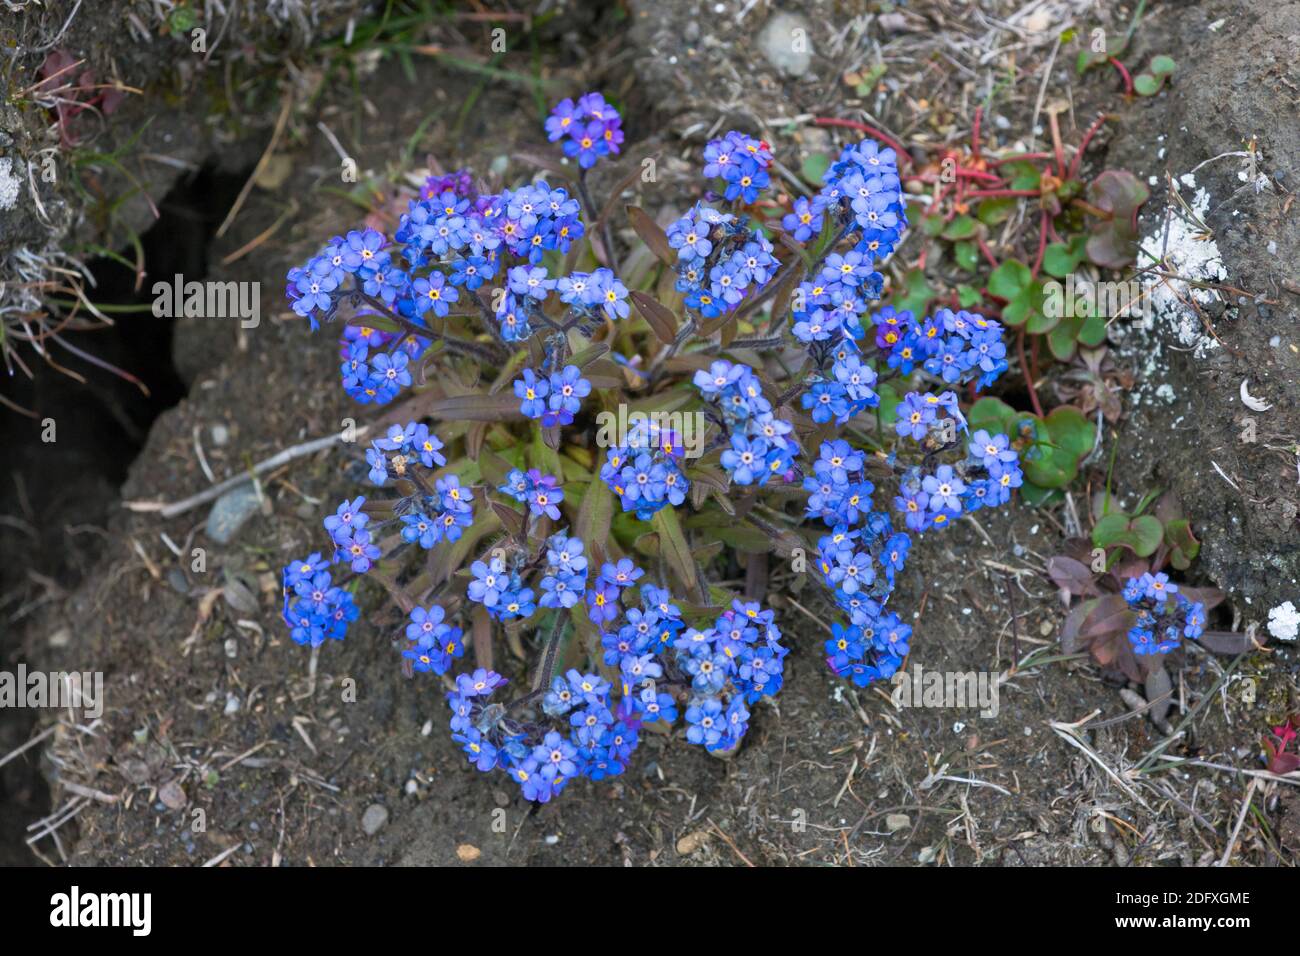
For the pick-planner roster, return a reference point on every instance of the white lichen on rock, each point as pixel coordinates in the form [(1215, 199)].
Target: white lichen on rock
[(9, 184), (1190, 252), (1284, 622)]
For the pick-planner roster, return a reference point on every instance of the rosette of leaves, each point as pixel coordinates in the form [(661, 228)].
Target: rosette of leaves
[(1091, 572), (1051, 447)]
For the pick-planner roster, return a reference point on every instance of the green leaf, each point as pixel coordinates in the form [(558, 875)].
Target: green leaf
[(1162, 65), (1037, 497), (889, 402), (1040, 461), (1093, 332), (657, 315), (916, 293), (992, 415), (594, 517), (677, 553), (1060, 258), (1041, 321), (1009, 279), (968, 296), (814, 168), (1144, 84), (1109, 530), (1024, 175), (653, 236), (475, 408), (1072, 432), (1061, 441), (962, 227), (1115, 42), (1183, 546), (997, 210), (967, 256), (1141, 535), (1149, 533), (1062, 339)]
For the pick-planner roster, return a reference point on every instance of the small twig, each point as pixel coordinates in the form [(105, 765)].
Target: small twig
[(1241, 818), (275, 461), (261, 164)]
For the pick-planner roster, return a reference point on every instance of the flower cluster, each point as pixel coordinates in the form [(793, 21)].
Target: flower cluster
[(955, 347), (863, 194), (1164, 615), (590, 128), (761, 444), (449, 243), (646, 471), (314, 608), (721, 259), (729, 666), (497, 584), (378, 378), (859, 561), (555, 400), (542, 758), (541, 493), (590, 296), (434, 643), (481, 275), (565, 576), (741, 162)]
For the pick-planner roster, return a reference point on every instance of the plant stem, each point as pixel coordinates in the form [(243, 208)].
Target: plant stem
[(605, 237), (1024, 370), (870, 130)]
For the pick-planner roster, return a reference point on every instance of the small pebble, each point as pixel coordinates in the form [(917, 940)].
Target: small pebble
[(373, 820), (231, 511)]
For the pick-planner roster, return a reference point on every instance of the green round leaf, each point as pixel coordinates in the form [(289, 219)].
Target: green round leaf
[(1144, 84)]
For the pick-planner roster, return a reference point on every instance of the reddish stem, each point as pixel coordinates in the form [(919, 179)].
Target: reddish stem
[(988, 253), (1083, 143), (976, 174), (999, 193), (1043, 222), (1057, 148), (1024, 370), (1019, 157), (864, 128), (1128, 80)]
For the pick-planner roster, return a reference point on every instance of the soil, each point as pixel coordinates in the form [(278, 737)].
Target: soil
[(221, 739)]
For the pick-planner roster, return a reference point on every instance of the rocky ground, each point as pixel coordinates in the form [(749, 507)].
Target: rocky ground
[(214, 716)]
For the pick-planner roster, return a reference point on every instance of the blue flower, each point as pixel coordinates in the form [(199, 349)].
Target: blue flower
[(746, 460), (568, 389), (347, 517), (706, 722), (804, 222), (490, 581), (533, 391)]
